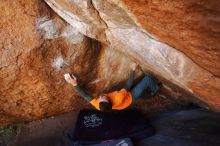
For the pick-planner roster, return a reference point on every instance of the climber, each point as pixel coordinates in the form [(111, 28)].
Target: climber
[(118, 100)]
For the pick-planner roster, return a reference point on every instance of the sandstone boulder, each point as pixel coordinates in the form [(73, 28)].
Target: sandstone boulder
[(98, 40), (176, 40), (37, 48)]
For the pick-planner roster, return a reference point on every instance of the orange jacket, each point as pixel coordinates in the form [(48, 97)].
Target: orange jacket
[(119, 99)]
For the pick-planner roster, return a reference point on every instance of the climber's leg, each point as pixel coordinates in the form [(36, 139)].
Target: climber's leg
[(147, 82)]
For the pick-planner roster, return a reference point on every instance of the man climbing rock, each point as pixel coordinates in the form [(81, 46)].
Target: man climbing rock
[(118, 100)]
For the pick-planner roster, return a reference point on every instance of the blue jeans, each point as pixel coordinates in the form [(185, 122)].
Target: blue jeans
[(147, 83)]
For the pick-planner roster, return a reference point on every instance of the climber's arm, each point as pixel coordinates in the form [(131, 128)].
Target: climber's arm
[(73, 81), (82, 93), (130, 80)]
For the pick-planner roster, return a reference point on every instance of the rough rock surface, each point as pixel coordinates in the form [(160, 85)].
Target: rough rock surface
[(176, 40), (37, 48), (98, 43), (191, 27)]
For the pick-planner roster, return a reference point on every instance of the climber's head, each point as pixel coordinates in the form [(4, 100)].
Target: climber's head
[(104, 103)]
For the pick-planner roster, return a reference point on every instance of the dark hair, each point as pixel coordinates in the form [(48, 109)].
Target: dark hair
[(105, 106)]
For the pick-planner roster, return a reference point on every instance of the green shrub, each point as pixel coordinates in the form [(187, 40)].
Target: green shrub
[(9, 130)]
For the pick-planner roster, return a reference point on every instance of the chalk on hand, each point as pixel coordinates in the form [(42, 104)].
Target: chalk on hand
[(66, 76)]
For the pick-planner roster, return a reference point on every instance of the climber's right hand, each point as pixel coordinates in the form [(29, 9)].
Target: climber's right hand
[(70, 78), (134, 66)]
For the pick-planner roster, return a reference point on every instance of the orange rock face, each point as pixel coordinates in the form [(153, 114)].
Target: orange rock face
[(192, 27), (37, 48), (176, 40)]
